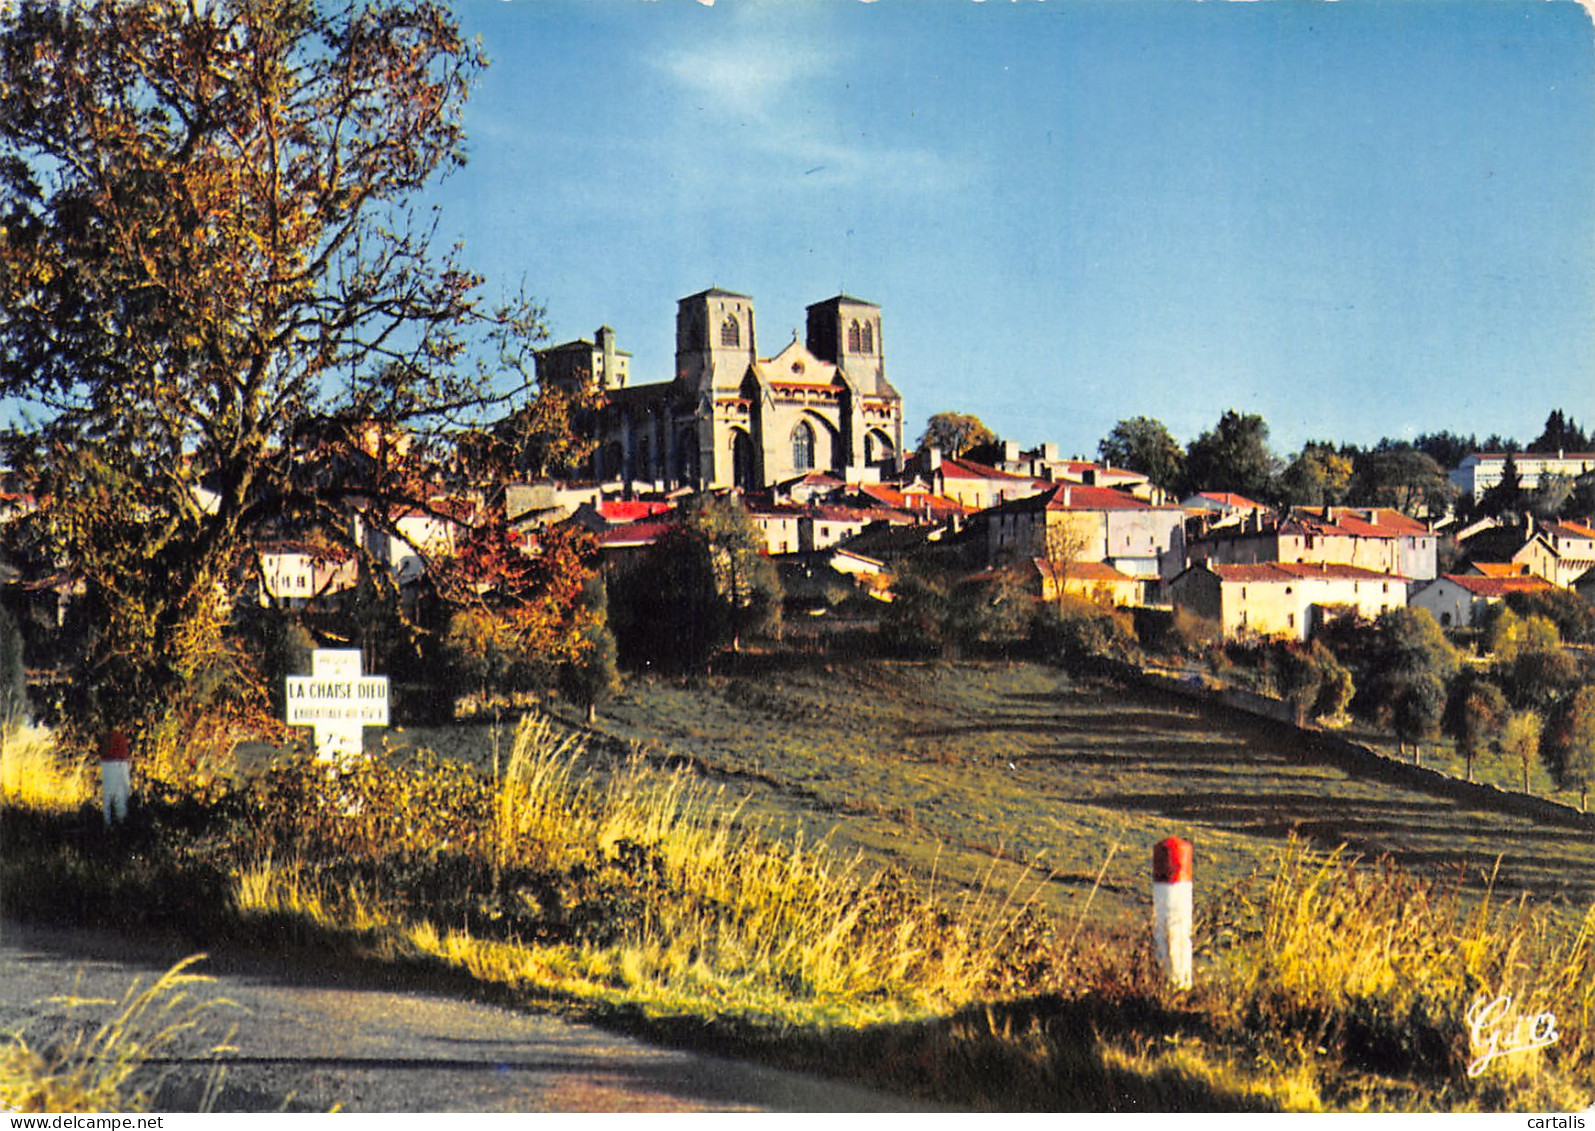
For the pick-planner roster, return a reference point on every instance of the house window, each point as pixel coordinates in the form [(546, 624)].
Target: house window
[(730, 331), (803, 446)]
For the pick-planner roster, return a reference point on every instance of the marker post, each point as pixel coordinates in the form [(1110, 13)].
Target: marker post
[(1171, 909), (116, 780)]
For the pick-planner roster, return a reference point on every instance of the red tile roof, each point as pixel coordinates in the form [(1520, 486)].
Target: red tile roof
[(1077, 497), (633, 534), (1501, 569), (1082, 571), (1376, 522), (1498, 586), (915, 502), (968, 469), (631, 510), (1565, 529), (1273, 572)]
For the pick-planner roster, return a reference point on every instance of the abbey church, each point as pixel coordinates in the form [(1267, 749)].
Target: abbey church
[(731, 418)]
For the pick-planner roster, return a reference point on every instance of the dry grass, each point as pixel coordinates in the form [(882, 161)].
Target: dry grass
[(36, 775), (1378, 970), (109, 1068), (705, 912)]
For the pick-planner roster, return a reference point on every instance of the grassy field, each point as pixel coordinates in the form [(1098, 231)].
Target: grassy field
[(941, 766)]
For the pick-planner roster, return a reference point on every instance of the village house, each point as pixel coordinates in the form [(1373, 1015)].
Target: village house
[(821, 527), (781, 525), (1371, 538), (1285, 599), (1096, 582), (1459, 600), (1560, 552), (1045, 464), (1076, 523), (914, 499), (299, 574), (974, 485)]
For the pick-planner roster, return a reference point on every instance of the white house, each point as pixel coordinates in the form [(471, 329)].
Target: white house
[(1457, 600), (1289, 599), (295, 574)]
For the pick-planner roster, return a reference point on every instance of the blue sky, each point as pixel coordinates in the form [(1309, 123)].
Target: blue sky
[(1357, 219)]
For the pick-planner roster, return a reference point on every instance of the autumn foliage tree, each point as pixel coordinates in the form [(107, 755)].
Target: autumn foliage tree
[(217, 298), (955, 433), (521, 611)]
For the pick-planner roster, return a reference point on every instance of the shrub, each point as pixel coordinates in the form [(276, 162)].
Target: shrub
[(1072, 632)]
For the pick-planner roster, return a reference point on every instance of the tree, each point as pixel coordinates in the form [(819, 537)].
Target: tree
[(593, 678), (1561, 434), (955, 433), (1553, 497), (1572, 614), (1569, 744), (216, 297), (1475, 713), (13, 677), (1299, 679), (1448, 449), (1411, 663), (1318, 476), (705, 585), (1143, 444), (1533, 667), (1232, 456), (521, 612), (1404, 479), (1505, 497), (917, 623), (1520, 741)]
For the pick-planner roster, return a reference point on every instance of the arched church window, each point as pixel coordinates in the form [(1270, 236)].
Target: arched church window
[(730, 331), (867, 338), (855, 337), (803, 446)]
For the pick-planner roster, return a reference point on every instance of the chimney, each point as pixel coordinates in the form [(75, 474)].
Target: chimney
[(1373, 516), (932, 458)]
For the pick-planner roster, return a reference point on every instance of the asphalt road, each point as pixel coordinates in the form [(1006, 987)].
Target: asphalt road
[(304, 1044)]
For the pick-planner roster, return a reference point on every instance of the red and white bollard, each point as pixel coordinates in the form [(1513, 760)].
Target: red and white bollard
[(116, 781), (1171, 909)]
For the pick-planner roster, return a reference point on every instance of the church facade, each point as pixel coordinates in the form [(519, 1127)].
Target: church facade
[(731, 418)]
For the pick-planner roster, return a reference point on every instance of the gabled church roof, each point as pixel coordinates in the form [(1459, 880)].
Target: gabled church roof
[(795, 365)]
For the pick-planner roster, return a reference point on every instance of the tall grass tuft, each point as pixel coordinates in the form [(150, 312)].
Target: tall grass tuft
[(724, 908), (110, 1069), (36, 774), (1379, 969)]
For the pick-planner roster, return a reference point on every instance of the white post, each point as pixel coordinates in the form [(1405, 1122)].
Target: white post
[(116, 782), (1171, 909)]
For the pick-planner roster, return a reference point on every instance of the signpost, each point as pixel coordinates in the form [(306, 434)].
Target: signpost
[(338, 702)]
